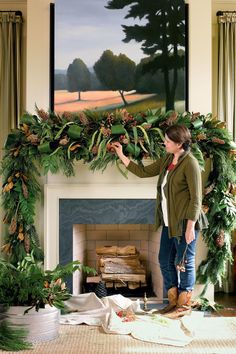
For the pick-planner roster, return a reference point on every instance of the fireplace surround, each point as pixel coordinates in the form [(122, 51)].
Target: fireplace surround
[(111, 191), (72, 209)]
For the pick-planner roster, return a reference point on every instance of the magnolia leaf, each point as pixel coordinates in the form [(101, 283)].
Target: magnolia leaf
[(198, 155), (144, 133)]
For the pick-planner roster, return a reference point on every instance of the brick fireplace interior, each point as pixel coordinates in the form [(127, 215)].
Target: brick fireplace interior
[(87, 238)]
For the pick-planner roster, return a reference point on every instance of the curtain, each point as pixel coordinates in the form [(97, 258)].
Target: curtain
[(226, 100), (10, 71)]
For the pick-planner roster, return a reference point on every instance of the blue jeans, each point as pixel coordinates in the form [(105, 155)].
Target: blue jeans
[(170, 254)]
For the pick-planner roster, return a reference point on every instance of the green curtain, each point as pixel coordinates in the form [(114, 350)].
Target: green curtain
[(226, 107), (226, 100), (10, 71)]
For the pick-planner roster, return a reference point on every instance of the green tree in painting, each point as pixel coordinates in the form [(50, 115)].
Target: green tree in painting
[(149, 82), (116, 72), (162, 32), (78, 77), (60, 81)]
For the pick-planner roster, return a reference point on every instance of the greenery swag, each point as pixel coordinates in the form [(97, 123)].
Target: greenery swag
[(51, 142)]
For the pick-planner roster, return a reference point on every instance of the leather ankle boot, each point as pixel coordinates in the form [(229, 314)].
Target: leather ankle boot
[(172, 297), (183, 306)]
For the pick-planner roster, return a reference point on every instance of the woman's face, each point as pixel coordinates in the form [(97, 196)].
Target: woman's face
[(171, 146)]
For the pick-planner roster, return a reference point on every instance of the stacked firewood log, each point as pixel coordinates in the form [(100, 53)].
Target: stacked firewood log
[(120, 267)]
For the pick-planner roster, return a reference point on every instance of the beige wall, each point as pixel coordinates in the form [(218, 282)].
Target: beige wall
[(200, 59), (37, 68), (37, 77)]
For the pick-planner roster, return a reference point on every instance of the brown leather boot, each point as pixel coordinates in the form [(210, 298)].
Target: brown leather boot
[(183, 306), (172, 297)]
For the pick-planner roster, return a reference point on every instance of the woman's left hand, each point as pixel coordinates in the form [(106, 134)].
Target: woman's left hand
[(190, 231), (189, 236)]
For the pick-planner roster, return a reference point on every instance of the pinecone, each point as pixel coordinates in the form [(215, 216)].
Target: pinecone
[(233, 189), (42, 114), (7, 248), (33, 139), (95, 150), (194, 116), (83, 118), (125, 115), (170, 120), (24, 190), (218, 141), (68, 116), (27, 243), (220, 240), (25, 128), (109, 119), (21, 236), (106, 132), (201, 136), (13, 225)]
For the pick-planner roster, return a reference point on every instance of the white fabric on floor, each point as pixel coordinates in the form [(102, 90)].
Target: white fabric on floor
[(89, 309)]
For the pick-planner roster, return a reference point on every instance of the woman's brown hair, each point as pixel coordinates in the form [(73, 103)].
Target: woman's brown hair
[(179, 134)]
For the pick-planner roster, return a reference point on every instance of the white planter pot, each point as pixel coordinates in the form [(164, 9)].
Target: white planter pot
[(41, 326)]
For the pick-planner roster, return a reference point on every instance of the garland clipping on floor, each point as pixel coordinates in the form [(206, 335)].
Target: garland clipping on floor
[(50, 142)]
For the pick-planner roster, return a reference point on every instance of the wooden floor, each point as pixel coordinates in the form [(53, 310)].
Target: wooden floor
[(229, 303)]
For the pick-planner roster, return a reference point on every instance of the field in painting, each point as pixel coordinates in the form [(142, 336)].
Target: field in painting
[(97, 100)]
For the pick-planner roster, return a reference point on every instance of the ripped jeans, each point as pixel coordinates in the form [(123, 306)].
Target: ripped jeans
[(170, 254)]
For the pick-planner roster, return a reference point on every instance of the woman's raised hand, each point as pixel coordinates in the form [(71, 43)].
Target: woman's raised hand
[(119, 151), (118, 148)]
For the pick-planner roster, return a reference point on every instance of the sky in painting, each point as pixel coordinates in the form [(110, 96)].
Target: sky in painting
[(85, 28)]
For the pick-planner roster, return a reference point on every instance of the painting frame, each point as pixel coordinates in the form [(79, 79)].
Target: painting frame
[(52, 105)]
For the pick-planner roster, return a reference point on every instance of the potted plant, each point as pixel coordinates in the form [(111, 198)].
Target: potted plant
[(34, 295)]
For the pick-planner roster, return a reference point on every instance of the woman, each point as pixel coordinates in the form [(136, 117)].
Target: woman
[(178, 210)]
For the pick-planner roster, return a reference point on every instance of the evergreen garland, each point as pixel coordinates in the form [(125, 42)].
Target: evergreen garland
[(53, 142), (12, 338)]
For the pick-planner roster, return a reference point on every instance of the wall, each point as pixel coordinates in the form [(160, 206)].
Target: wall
[(37, 69), (200, 60), (37, 79)]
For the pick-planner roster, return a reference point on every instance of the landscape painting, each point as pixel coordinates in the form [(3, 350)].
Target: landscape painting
[(120, 55)]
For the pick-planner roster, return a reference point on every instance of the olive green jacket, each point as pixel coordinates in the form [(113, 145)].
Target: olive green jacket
[(183, 191)]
